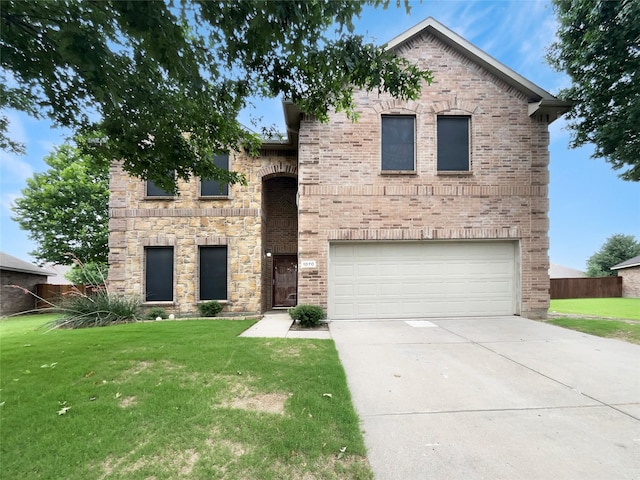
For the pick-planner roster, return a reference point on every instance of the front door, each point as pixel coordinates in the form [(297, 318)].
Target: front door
[(285, 280)]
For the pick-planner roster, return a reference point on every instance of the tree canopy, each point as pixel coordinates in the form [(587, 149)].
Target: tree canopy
[(598, 46), (66, 209), (164, 80), (617, 249)]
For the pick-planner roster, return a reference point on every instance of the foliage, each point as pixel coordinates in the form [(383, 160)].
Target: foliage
[(598, 46), (618, 248), (65, 209), (92, 273), (628, 308), (210, 309), (159, 400), (307, 315), (154, 313), (164, 81), (96, 309)]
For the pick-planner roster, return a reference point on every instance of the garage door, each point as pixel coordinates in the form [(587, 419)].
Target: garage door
[(421, 279)]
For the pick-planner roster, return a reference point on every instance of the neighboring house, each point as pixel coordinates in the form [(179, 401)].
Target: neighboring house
[(18, 273), (560, 271), (629, 270), (432, 207)]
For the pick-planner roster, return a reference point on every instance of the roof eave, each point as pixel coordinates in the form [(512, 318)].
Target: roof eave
[(620, 267)]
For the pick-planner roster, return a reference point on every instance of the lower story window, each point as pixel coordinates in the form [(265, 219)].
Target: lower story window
[(213, 273), (158, 274)]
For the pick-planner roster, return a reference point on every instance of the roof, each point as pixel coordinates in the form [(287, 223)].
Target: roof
[(632, 262), (13, 264), (560, 271), (541, 102)]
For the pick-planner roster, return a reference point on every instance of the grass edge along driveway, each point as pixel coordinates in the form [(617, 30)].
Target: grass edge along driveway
[(173, 399), (605, 317)]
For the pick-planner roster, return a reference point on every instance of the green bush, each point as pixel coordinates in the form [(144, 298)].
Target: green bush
[(210, 309), (155, 313), (96, 309), (307, 315)]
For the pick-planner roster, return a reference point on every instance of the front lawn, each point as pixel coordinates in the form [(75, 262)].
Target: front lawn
[(628, 308), (621, 330), (173, 399)]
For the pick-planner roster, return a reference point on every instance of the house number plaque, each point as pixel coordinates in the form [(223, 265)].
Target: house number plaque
[(308, 264)]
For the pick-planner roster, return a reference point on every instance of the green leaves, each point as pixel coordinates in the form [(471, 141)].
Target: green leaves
[(165, 81), (617, 249), (65, 209), (599, 48)]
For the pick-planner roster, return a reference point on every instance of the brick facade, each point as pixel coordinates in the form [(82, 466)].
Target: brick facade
[(630, 281), (15, 300), (335, 179)]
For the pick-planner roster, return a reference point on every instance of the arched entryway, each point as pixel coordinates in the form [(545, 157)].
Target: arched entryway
[(280, 242)]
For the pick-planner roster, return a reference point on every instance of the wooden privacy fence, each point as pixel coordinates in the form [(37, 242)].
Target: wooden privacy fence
[(596, 287), (53, 293)]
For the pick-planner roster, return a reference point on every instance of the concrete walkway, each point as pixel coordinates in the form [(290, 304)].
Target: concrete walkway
[(276, 323), (493, 398)]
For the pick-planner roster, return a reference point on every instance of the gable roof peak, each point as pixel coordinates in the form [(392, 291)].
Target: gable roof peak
[(540, 100)]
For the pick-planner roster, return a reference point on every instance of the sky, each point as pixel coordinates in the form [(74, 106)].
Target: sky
[(588, 202)]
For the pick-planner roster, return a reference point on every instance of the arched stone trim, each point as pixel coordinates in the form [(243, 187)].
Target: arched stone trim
[(394, 105), (278, 170), (454, 104)]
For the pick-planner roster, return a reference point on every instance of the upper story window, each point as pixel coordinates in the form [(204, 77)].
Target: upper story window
[(213, 188), (453, 144), (154, 190), (398, 143)]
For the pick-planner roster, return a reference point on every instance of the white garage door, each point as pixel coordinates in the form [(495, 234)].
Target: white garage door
[(421, 279)]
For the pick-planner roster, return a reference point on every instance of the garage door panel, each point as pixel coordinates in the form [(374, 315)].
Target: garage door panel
[(401, 279)]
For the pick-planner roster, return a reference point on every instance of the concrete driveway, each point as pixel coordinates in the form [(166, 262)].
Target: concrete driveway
[(493, 398)]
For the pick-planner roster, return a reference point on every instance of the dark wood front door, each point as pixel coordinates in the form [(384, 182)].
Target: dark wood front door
[(285, 280)]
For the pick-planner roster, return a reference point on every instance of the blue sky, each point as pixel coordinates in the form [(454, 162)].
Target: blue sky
[(589, 203)]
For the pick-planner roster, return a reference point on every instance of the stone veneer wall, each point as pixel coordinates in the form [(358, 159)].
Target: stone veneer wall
[(187, 222), (630, 282), (344, 196)]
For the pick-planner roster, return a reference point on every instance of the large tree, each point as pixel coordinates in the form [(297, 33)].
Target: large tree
[(166, 79), (617, 249), (598, 46), (65, 209)]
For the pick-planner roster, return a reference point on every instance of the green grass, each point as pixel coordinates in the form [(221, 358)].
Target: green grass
[(628, 308), (173, 399), (629, 332)]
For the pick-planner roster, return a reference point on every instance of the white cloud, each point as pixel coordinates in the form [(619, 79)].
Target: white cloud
[(6, 202), (14, 170)]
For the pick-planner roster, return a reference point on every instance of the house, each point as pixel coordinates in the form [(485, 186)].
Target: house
[(629, 270), (24, 275), (560, 271), (432, 207)]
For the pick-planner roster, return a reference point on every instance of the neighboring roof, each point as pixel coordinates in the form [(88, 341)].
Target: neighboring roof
[(58, 277), (541, 102), (632, 262), (13, 264), (560, 271)]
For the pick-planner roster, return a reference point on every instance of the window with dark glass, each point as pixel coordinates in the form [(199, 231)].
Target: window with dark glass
[(453, 144), (213, 188), (398, 142), (158, 274), (213, 273), (154, 190)]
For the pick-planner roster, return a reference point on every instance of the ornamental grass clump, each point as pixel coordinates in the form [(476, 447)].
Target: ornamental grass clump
[(308, 316), (96, 309)]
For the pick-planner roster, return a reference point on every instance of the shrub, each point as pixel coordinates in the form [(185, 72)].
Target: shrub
[(96, 310), (210, 309), (307, 315), (155, 313)]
